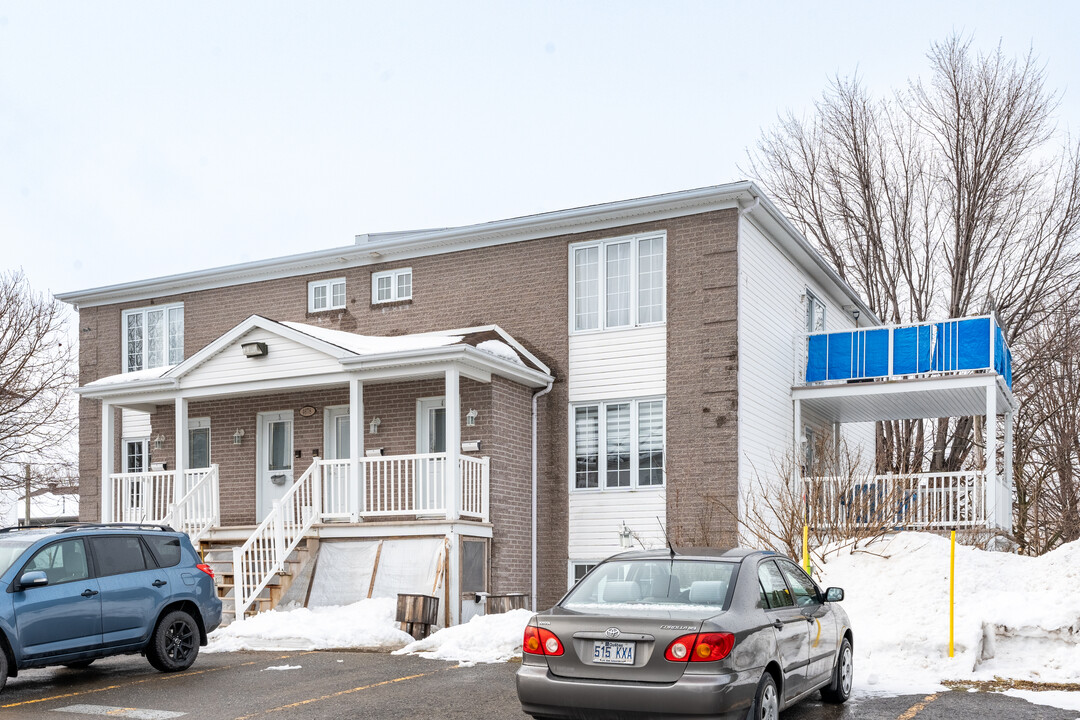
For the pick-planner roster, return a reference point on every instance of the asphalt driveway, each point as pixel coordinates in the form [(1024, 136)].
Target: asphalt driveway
[(243, 686)]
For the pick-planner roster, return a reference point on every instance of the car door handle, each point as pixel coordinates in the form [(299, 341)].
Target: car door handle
[(89, 593), (778, 624), (159, 583)]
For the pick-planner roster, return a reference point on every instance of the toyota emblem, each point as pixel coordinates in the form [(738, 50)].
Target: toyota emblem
[(613, 632)]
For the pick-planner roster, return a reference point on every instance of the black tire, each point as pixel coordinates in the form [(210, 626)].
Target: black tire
[(174, 644), (766, 700), (3, 668), (839, 690), (78, 665)]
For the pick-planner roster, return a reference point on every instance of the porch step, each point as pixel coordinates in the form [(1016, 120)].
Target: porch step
[(218, 554)]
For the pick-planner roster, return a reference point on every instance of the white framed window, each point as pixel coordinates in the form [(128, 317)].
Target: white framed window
[(326, 295), (579, 570), (391, 286), (815, 313), (153, 337), (618, 283), (617, 444)]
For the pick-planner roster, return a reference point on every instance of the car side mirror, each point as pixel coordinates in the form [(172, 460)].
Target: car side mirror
[(834, 594), (34, 578)]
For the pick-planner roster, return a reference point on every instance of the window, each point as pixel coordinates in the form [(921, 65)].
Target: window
[(772, 584), (618, 444), (326, 295), (815, 313), (120, 554), (62, 562), (135, 455), (166, 548), (580, 570), (153, 337), (802, 587), (617, 283), (391, 286)]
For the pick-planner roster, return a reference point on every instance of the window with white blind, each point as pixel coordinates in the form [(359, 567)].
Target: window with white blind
[(617, 283), (391, 286), (326, 295), (618, 444), (153, 337)]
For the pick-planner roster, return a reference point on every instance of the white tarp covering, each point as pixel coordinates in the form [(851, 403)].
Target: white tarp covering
[(344, 569)]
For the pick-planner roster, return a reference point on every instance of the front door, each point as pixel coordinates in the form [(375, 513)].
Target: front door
[(133, 499), (275, 460), (431, 438)]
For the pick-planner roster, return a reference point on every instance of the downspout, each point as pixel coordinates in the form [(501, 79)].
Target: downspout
[(535, 397)]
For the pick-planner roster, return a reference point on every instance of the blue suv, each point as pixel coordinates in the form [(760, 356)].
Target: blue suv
[(72, 594)]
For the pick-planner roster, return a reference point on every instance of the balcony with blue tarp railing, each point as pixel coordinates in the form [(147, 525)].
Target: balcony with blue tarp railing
[(960, 346)]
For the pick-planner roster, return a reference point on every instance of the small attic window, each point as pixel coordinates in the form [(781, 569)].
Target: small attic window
[(326, 295), (391, 286)]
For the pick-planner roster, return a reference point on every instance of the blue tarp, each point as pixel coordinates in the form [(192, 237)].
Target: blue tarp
[(911, 350), (875, 355), (817, 359), (840, 358)]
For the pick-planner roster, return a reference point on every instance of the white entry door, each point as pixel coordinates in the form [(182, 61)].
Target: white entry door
[(274, 448), (431, 438)]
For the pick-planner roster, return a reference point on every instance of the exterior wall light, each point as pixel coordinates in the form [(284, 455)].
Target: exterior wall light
[(470, 446), (159, 442), (238, 436), (470, 417), (626, 535), (374, 452), (254, 349), (374, 425)]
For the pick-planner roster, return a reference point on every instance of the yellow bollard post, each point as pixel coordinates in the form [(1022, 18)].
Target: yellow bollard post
[(806, 548), (952, 588)]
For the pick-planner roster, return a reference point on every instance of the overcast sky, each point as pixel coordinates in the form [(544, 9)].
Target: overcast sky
[(140, 139)]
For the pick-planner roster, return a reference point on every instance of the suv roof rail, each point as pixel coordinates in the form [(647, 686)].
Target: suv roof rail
[(14, 528), (70, 527)]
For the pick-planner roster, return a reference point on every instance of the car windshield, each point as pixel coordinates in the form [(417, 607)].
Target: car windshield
[(690, 588), (11, 547)]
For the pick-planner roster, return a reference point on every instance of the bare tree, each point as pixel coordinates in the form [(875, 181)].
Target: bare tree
[(953, 196), (37, 374)]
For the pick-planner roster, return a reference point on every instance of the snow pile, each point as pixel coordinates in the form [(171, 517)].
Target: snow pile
[(367, 624), (1016, 617), (500, 350), (133, 376), (484, 639)]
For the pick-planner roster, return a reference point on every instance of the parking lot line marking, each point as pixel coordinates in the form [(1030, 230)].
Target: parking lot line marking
[(121, 712), (918, 707), (120, 685), (339, 693)]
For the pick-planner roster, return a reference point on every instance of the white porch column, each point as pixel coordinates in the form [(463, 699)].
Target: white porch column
[(990, 475), (181, 448), (453, 443), (356, 446), (1006, 491), (108, 430)]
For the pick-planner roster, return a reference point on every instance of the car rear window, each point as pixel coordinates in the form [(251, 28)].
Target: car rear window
[(166, 548), (117, 554), (694, 588)]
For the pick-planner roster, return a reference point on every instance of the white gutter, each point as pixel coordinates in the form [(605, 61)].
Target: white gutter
[(536, 396)]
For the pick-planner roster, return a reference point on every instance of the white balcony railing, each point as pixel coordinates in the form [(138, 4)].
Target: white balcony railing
[(919, 501), (148, 496)]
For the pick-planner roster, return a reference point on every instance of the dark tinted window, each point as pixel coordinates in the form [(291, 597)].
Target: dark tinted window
[(772, 582), (62, 562), (166, 548), (118, 554), (802, 587)]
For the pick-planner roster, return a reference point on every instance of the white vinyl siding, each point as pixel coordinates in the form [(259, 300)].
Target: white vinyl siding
[(617, 283), (284, 359), (326, 295), (595, 520), (618, 364), (391, 286), (152, 337), (773, 316), (610, 452)]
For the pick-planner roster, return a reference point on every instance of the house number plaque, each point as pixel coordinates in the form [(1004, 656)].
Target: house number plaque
[(307, 411)]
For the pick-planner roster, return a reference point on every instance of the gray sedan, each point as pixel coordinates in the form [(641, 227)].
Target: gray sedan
[(687, 633)]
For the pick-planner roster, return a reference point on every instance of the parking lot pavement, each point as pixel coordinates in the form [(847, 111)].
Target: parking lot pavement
[(332, 685)]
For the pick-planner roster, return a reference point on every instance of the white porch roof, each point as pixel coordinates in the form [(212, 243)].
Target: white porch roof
[(932, 397), (302, 355)]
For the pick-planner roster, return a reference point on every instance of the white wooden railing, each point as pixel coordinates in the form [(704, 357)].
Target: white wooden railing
[(199, 509), (264, 553), (148, 496), (930, 501), (475, 479)]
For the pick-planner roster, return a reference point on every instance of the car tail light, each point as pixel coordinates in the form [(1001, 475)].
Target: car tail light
[(704, 647), (538, 641), (206, 569)]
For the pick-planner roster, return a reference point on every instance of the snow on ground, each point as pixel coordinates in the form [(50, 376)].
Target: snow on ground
[(368, 624), (484, 639), (1054, 698), (1016, 617)]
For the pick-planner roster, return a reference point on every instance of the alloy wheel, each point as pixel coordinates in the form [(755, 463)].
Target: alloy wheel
[(179, 641)]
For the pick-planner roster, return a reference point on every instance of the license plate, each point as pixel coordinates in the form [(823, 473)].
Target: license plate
[(614, 653)]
